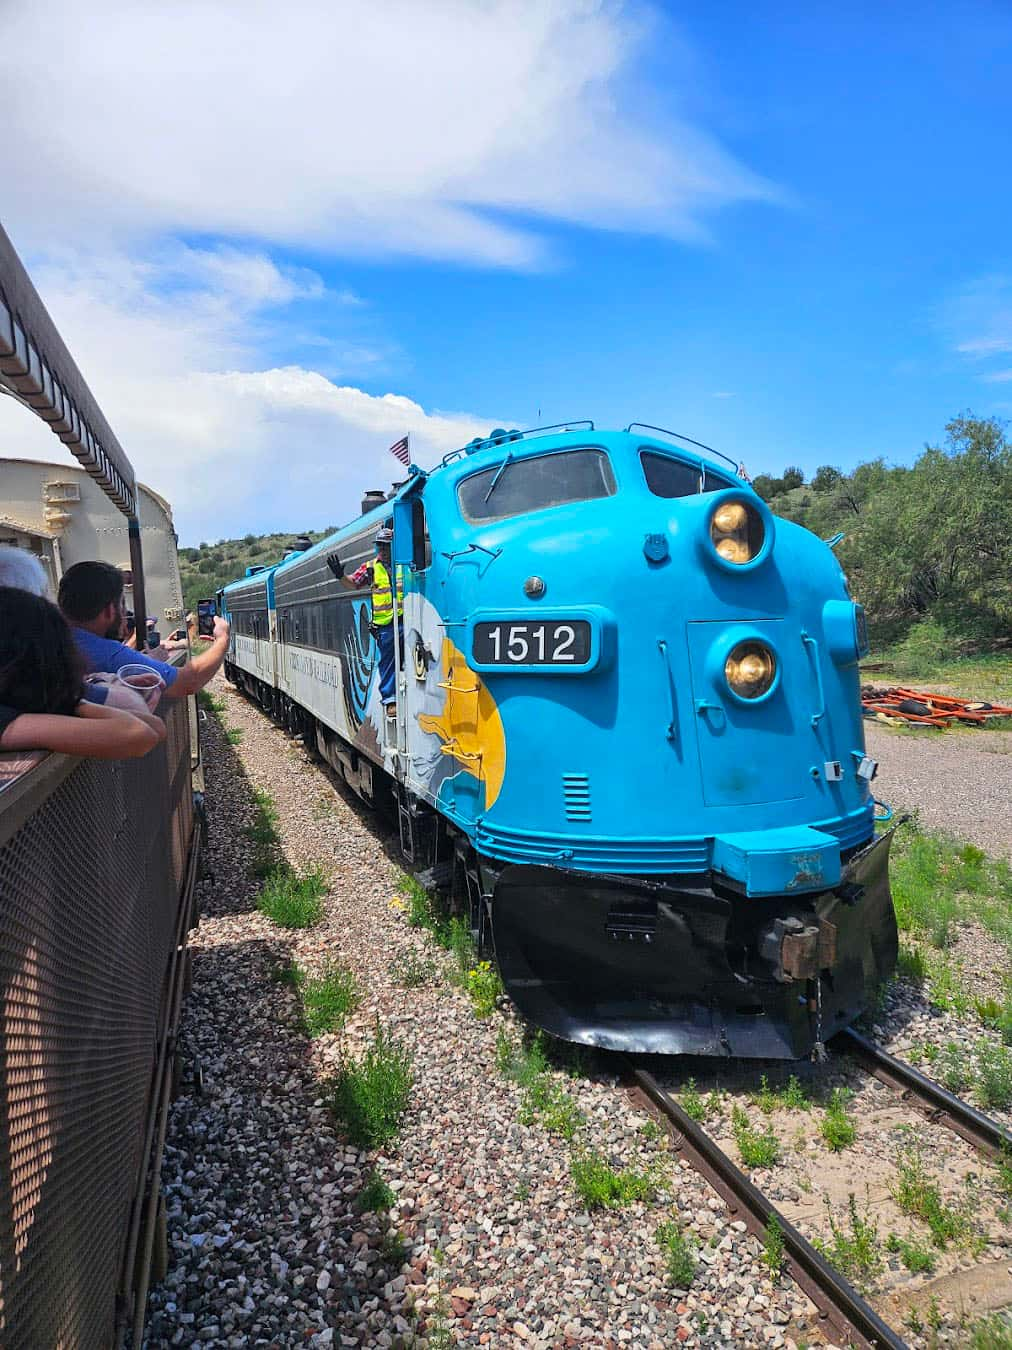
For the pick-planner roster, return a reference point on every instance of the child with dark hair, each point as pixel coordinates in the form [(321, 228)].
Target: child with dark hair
[(41, 681)]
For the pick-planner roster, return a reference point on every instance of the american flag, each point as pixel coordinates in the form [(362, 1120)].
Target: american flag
[(400, 451), (743, 472)]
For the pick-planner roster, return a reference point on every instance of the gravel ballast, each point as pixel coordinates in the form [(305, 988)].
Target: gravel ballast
[(267, 1246)]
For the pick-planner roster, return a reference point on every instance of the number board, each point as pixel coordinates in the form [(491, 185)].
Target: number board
[(516, 643)]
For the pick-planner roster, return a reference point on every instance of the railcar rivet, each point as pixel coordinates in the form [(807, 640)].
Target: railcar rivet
[(534, 588)]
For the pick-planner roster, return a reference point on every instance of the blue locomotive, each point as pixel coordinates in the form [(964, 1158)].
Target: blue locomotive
[(627, 738)]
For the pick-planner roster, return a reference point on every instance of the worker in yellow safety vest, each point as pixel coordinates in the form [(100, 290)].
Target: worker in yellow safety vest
[(377, 575)]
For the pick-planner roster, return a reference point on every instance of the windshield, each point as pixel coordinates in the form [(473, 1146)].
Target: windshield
[(670, 477), (523, 485)]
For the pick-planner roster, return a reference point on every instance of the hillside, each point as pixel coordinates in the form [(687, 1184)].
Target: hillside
[(205, 568)]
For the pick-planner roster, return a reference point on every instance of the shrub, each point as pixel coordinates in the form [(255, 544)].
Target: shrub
[(599, 1186), (680, 1253), (293, 901), (327, 998), (371, 1094)]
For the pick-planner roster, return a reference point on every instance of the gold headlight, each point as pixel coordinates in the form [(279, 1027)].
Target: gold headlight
[(736, 532), (729, 517), (750, 670), (734, 550)]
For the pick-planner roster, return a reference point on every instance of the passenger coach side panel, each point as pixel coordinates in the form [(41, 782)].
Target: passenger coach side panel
[(325, 652), (252, 649)]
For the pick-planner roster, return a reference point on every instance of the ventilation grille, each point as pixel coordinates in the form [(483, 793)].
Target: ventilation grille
[(576, 794)]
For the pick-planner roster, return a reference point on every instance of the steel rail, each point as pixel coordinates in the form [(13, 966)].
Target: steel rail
[(932, 1100), (841, 1307)]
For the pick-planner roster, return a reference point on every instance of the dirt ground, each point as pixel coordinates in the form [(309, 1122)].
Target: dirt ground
[(960, 781)]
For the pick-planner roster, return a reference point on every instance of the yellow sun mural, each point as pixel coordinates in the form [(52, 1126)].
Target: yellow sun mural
[(469, 726)]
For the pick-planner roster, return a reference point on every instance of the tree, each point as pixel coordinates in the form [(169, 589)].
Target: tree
[(793, 478), (826, 477), (767, 487)]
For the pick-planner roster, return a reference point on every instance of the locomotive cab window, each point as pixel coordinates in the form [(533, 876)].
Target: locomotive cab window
[(670, 477), (517, 486)]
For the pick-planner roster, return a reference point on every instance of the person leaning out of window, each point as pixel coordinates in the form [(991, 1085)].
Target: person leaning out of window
[(41, 689)]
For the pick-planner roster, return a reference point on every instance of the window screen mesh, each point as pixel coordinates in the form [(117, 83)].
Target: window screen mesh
[(90, 886)]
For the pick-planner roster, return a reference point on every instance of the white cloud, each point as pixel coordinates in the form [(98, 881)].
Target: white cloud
[(163, 345), (456, 129), (378, 128), (979, 318)]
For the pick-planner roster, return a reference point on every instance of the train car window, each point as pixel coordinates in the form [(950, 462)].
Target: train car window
[(517, 486), (421, 544), (670, 477)]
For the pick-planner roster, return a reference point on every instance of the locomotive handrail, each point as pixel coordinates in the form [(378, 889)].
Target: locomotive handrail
[(581, 423), (677, 436)]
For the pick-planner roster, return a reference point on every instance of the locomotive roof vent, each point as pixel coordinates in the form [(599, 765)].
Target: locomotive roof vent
[(373, 498)]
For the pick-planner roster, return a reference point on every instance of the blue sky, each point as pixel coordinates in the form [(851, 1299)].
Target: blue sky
[(782, 229)]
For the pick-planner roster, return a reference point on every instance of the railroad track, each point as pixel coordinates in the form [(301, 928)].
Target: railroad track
[(845, 1317), (933, 1101)]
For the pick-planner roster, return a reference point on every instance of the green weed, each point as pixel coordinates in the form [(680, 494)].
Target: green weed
[(947, 985), (1003, 1172), (855, 1248), (917, 1259), (393, 1249), (757, 1148), (327, 998), (209, 702), (953, 1069), (484, 987), (838, 1127), (293, 901), (997, 1016), (651, 1131), (917, 1195), (544, 1099), (371, 1094), (599, 1186), (234, 735), (549, 1102), (910, 964), (939, 882), (691, 1101), (262, 832), (793, 1097), (994, 1075), (680, 1253), (375, 1195), (991, 1333), (415, 971), (774, 1251)]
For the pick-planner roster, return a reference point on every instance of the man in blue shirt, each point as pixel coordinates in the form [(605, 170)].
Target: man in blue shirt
[(91, 597)]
